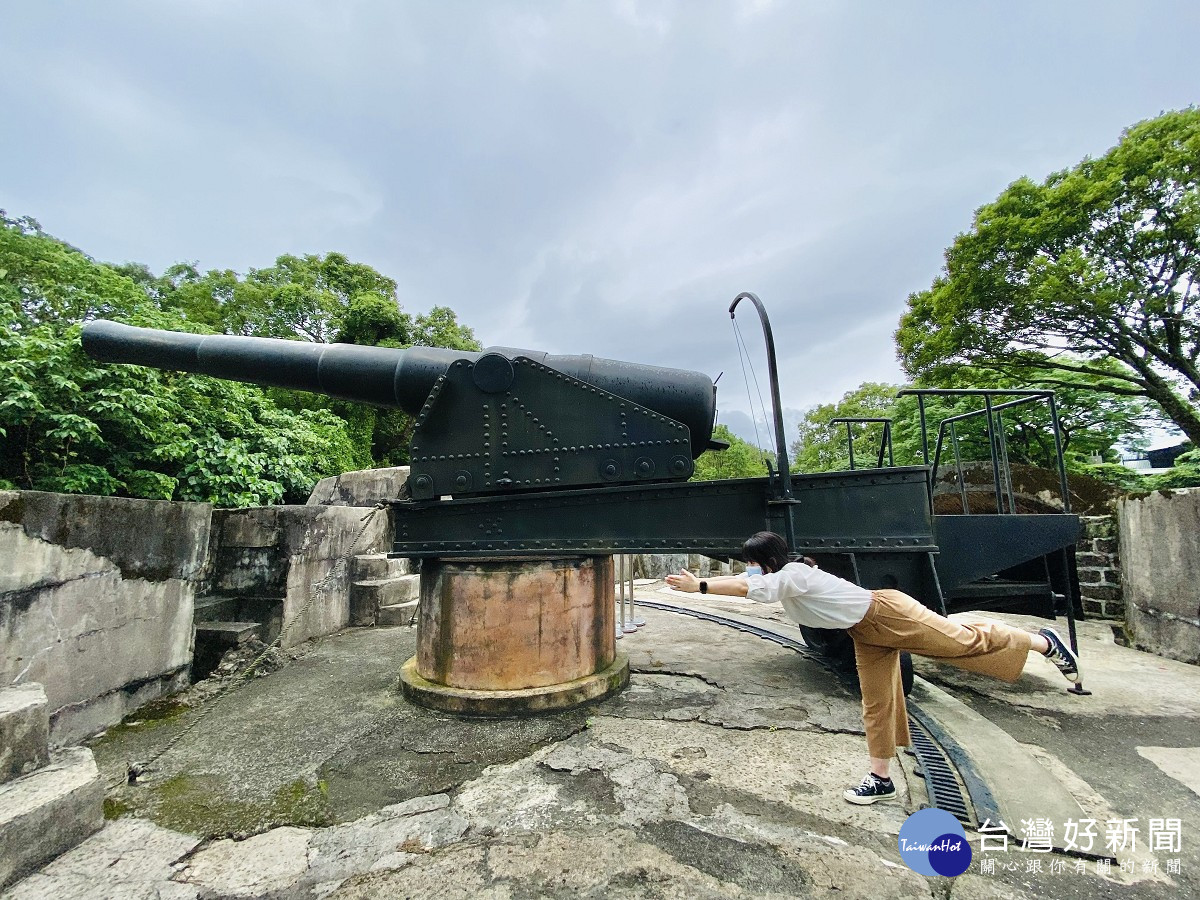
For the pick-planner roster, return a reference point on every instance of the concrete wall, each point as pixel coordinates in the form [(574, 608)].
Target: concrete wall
[(363, 488), (283, 552), (96, 601), (1098, 559), (660, 565), (1160, 554)]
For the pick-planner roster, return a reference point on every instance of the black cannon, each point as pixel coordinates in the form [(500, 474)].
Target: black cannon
[(499, 421), (518, 453)]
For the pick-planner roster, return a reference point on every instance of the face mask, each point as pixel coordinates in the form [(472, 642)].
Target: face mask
[(753, 570)]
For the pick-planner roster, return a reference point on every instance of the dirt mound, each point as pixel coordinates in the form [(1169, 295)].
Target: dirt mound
[(1035, 491)]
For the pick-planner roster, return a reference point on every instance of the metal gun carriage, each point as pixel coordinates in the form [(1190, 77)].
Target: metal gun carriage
[(518, 453)]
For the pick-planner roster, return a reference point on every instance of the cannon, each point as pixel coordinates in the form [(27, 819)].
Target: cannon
[(500, 421), (520, 455)]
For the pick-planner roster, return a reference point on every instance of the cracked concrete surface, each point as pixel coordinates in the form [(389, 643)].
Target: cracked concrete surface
[(718, 773)]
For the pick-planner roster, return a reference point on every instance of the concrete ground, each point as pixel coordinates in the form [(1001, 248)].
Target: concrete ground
[(717, 773)]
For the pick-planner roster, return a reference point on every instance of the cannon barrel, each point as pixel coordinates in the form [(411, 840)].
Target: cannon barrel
[(384, 376)]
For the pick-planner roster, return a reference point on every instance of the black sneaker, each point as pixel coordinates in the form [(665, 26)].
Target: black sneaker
[(872, 790), (1060, 654)]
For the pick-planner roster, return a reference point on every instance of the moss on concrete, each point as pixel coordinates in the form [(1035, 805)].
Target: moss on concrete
[(151, 715), (205, 805), (114, 808)]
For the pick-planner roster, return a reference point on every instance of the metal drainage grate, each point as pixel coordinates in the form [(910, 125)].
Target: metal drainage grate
[(942, 784), (945, 791)]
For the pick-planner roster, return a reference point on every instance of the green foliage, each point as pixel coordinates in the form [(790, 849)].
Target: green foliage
[(1116, 474), (741, 460), (375, 320), (313, 298), (1184, 474), (822, 447), (1092, 274), (70, 425), (1090, 423), (302, 298), (75, 427), (46, 280), (440, 328)]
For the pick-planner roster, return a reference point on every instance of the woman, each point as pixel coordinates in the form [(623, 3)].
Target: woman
[(882, 623)]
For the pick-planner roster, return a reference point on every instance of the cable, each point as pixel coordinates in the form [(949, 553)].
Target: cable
[(744, 357), (746, 381)]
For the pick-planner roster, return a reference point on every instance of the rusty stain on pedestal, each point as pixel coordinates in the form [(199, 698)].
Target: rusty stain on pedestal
[(506, 636)]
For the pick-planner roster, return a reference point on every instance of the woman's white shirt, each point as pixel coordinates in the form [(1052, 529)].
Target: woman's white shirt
[(811, 596)]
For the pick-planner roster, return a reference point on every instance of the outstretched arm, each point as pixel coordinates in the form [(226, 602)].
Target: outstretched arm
[(727, 585)]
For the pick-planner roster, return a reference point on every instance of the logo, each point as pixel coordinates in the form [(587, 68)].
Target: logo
[(932, 842)]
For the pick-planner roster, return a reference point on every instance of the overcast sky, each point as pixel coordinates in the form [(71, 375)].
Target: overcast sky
[(579, 177)]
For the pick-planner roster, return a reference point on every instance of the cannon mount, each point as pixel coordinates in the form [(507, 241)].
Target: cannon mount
[(500, 425)]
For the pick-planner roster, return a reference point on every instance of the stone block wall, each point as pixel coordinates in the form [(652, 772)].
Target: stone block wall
[(96, 601), (1097, 556), (1160, 553)]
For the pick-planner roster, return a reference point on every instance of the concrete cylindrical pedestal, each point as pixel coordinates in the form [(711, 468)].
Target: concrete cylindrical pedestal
[(510, 636)]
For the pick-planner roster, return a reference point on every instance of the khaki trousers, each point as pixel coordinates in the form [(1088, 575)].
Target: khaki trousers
[(895, 622)]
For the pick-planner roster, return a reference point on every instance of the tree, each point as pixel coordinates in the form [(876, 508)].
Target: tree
[(70, 425), (74, 426), (1090, 423), (741, 460), (375, 320), (1092, 273), (48, 280), (302, 297), (821, 447), (319, 299), (440, 328)]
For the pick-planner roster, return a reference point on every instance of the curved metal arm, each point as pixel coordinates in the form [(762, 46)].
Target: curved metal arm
[(785, 478), (784, 481)]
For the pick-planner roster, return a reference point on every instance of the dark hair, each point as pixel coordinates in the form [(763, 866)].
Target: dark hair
[(767, 549)]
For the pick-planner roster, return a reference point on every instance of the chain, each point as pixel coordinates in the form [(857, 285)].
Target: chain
[(134, 770)]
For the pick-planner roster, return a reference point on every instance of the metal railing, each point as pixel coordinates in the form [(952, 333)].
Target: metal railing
[(885, 442), (997, 442)]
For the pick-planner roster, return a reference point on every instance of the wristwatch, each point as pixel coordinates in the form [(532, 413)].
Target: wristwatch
[(704, 587)]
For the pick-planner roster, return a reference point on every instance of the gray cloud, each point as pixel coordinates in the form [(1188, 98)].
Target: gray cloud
[(579, 177)]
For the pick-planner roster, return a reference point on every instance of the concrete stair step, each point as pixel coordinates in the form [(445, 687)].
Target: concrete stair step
[(215, 608), (128, 859), (367, 597), (400, 614), (372, 566), (24, 730), (48, 811), (228, 634)]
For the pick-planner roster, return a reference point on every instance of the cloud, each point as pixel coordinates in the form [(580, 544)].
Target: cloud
[(581, 177)]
